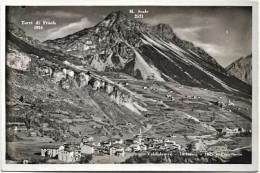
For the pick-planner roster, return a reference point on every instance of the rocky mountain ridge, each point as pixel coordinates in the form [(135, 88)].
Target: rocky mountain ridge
[(14, 29), (121, 44), (116, 29), (242, 69)]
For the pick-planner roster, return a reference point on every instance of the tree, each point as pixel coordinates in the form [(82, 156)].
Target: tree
[(189, 147), (86, 158)]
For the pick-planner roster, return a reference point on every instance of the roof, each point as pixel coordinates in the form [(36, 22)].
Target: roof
[(51, 147), (120, 151), (71, 149), (87, 145), (118, 145)]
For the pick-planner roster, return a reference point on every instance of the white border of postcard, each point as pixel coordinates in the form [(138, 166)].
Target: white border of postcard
[(136, 167)]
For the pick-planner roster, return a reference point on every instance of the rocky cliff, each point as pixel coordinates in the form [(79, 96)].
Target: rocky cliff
[(242, 69), (21, 34)]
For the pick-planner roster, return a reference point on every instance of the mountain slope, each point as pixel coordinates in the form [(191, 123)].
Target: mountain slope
[(121, 44), (53, 88), (242, 69), (39, 92)]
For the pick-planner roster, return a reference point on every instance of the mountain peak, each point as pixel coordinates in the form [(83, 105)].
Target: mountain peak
[(113, 18), (242, 69), (117, 13)]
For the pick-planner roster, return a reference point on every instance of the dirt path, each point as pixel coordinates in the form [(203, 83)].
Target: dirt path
[(164, 122)]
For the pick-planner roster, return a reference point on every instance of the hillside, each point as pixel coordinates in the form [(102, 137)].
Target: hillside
[(242, 69), (146, 52), (115, 79)]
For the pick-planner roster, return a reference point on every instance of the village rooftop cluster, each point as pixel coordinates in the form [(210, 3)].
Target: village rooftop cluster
[(72, 152)]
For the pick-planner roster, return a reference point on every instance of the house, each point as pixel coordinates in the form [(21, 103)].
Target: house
[(19, 129), (106, 143), (45, 70), (88, 42), (32, 134), (117, 141), (25, 161), (70, 73), (236, 130), (87, 149), (168, 142), (143, 147), (117, 150), (95, 143), (51, 151), (103, 84), (97, 85), (109, 88), (120, 153), (70, 154), (135, 147), (241, 130), (230, 103), (176, 146), (228, 132), (129, 141), (128, 148), (157, 140), (149, 139)]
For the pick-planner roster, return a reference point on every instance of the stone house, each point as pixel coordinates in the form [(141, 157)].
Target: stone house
[(69, 155), (51, 151)]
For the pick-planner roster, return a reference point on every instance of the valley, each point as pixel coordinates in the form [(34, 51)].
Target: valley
[(107, 84)]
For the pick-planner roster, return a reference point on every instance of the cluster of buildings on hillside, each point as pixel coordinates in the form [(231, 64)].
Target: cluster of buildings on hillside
[(21, 127), (72, 152), (223, 105), (231, 132)]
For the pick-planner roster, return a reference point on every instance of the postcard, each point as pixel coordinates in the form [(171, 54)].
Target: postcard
[(98, 86)]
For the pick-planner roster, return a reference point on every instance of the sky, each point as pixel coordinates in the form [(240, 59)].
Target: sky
[(224, 32)]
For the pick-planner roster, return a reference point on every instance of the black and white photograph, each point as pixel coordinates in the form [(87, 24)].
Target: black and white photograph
[(124, 85)]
